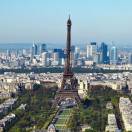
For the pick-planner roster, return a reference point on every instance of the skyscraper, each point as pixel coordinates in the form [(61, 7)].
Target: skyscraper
[(56, 60), (104, 50), (44, 58), (43, 48), (60, 52), (113, 55), (94, 47), (34, 49), (89, 51), (73, 48), (130, 58), (77, 52)]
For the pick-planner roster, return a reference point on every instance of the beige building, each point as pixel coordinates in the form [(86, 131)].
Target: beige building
[(112, 124), (82, 88), (125, 107)]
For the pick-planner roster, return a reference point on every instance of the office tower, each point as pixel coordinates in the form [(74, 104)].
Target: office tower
[(24, 52), (17, 53), (34, 49), (130, 58), (94, 51), (77, 52), (8, 53), (104, 50), (62, 61), (60, 52), (43, 48), (98, 58), (73, 48), (56, 59), (113, 55), (44, 58), (94, 48), (89, 51)]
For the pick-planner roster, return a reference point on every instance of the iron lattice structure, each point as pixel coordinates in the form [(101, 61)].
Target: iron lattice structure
[(69, 83)]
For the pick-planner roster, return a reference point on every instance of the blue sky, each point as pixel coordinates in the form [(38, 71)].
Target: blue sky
[(45, 20)]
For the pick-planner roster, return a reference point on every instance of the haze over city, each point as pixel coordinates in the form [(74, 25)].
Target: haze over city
[(44, 20)]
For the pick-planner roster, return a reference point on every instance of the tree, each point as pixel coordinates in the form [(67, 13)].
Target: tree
[(36, 86)]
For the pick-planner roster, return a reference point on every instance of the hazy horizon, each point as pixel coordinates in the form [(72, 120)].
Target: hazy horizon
[(54, 45)]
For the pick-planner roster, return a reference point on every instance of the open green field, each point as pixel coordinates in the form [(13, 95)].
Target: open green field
[(66, 112), (63, 119)]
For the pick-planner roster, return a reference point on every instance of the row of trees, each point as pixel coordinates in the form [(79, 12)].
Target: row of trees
[(39, 102), (96, 114), (59, 70)]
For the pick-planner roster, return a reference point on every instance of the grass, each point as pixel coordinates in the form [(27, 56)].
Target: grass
[(63, 119)]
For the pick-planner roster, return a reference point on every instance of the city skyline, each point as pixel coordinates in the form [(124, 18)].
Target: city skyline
[(28, 21)]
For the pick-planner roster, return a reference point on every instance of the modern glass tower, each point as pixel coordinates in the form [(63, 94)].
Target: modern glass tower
[(104, 50), (113, 55)]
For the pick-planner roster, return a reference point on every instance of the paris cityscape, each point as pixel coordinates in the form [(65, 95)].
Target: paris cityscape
[(71, 81)]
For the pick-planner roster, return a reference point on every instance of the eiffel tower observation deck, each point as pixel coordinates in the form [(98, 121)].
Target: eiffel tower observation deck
[(67, 95)]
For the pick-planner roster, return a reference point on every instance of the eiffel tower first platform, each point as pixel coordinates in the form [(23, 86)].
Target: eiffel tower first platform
[(68, 93)]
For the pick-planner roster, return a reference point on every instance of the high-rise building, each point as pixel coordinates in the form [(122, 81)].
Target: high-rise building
[(43, 48), (94, 47), (34, 49), (98, 58), (130, 58), (8, 53), (77, 52), (73, 48), (44, 58), (113, 55), (24, 52), (104, 50), (60, 52), (89, 51), (56, 59)]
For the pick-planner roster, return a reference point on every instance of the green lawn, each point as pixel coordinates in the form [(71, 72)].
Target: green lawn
[(63, 119)]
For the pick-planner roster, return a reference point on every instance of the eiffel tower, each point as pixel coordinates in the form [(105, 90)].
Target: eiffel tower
[(69, 84)]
